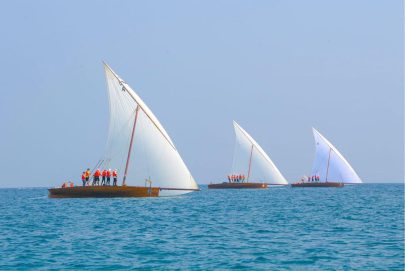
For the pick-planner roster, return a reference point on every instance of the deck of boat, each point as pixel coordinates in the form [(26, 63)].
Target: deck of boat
[(104, 192), (227, 185), (318, 184)]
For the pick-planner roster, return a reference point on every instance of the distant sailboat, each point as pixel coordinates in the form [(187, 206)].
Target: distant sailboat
[(139, 147), (330, 168), (253, 163)]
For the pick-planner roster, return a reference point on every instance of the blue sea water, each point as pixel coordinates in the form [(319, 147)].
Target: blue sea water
[(352, 228)]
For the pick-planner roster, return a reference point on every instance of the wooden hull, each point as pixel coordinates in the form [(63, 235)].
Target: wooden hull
[(238, 186), (104, 192), (318, 184)]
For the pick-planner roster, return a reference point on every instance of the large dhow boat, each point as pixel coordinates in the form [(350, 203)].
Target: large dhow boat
[(252, 167), (139, 147), (330, 168)]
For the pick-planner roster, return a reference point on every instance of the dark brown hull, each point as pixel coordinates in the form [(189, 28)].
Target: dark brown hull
[(238, 186), (319, 184), (104, 192)]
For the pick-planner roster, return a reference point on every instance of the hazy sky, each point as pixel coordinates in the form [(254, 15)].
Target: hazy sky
[(276, 67)]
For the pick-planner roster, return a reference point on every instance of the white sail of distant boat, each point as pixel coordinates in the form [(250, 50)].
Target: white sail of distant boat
[(329, 163), (250, 160), (138, 145)]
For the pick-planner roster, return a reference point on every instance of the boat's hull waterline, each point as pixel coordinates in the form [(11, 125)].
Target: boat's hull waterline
[(238, 186), (104, 192), (318, 184)]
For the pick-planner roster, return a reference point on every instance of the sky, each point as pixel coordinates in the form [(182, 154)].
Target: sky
[(276, 67)]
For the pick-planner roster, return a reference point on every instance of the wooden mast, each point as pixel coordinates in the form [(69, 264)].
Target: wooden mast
[(130, 146), (250, 162), (327, 169)]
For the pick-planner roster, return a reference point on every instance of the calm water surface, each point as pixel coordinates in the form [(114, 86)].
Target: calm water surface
[(354, 228)]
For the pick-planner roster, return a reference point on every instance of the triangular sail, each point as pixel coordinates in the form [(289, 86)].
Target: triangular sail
[(251, 160), (329, 163), (153, 155)]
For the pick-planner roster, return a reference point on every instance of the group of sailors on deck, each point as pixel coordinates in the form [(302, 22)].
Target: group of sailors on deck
[(313, 178), (236, 178), (105, 175)]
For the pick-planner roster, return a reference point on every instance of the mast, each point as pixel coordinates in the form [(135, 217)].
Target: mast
[(250, 162), (130, 146), (327, 169)]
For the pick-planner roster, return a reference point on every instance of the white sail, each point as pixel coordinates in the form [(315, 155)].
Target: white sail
[(250, 160), (329, 163), (153, 155)]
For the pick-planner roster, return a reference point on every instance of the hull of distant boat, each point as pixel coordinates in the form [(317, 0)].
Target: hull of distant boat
[(238, 186), (277, 185), (104, 192), (318, 184)]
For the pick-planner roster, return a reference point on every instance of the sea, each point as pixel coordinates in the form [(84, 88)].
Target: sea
[(359, 227)]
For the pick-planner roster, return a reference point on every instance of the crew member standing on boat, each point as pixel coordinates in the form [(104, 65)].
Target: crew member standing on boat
[(84, 178), (108, 174), (88, 174), (229, 178), (115, 176), (96, 177), (103, 175)]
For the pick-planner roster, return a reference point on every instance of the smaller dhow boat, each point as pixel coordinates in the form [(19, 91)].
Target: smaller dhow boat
[(251, 167), (139, 147), (330, 168)]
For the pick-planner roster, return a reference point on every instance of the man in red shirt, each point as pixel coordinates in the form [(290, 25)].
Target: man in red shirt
[(108, 174), (84, 178), (115, 176), (96, 177), (103, 175)]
